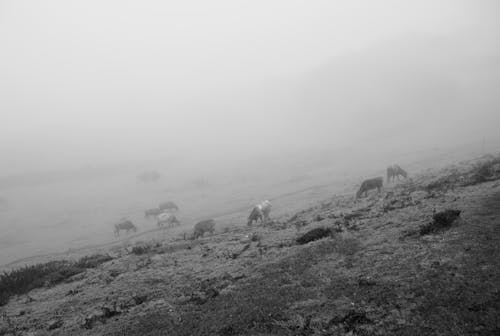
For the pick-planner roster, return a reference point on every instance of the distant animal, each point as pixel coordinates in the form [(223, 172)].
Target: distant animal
[(200, 228), (167, 219), (149, 176), (395, 171), (126, 225), (260, 211), (152, 212), (367, 185), (169, 206)]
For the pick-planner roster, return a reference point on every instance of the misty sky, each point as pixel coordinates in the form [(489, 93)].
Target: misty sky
[(98, 82)]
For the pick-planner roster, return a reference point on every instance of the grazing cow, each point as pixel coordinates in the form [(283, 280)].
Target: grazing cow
[(260, 211), (167, 219), (395, 171), (169, 206), (152, 212), (200, 228), (367, 185), (126, 225)]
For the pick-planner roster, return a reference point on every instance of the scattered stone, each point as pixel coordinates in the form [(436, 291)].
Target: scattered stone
[(28, 299), (235, 255), (72, 292), (353, 215), (366, 281), (318, 218), (54, 324), (139, 299), (419, 195)]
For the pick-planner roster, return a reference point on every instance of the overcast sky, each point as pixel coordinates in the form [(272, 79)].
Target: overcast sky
[(98, 82)]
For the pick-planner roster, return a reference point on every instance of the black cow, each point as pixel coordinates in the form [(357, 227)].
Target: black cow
[(395, 171), (126, 225), (200, 228), (367, 185)]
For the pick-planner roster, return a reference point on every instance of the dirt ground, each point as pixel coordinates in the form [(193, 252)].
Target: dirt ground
[(375, 274)]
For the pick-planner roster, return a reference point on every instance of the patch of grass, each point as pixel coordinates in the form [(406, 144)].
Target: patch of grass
[(22, 280)]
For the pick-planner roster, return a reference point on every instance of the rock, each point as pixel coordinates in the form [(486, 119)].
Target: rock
[(366, 281), (419, 195), (54, 324), (139, 299), (318, 218)]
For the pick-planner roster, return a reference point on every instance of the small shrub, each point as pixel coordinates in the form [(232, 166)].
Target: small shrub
[(441, 220), (92, 261), (140, 249), (313, 235)]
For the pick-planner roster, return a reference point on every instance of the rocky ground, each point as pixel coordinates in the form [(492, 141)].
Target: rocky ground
[(377, 266)]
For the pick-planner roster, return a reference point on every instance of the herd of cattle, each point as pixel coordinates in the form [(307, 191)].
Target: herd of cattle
[(165, 212)]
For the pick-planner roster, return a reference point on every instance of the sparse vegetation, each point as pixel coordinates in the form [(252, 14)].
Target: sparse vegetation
[(258, 281), (23, 280)]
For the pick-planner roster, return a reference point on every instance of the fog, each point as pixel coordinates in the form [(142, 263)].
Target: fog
[(231, 89), (102, 82)]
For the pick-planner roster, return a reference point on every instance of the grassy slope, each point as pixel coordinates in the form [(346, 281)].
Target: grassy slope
[(373, 278)]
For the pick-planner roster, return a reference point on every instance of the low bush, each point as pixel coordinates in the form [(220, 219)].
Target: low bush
[(441, 221), (313, 235), (141, 249)]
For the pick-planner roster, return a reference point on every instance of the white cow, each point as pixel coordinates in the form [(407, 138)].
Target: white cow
[(168, 219), (260, 211)]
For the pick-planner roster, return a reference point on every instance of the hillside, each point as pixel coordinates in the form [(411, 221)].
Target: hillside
[(380, 270)]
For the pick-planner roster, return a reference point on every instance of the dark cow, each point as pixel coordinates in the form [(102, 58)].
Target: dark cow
[(367, 185), (395, 171), (169, 206), (167, 219), (152, 212), (126, 225), (204, 226)]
